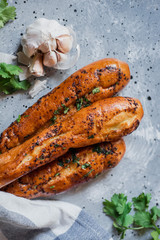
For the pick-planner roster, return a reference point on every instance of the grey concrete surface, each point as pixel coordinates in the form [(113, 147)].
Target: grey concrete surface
[(124, 29)]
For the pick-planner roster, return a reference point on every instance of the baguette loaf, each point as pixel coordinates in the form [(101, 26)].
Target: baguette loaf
[(78, 165), (105, 120), (96, 81)]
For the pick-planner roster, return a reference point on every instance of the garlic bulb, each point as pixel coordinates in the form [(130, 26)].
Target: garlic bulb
[(46, 42), (40, 32)]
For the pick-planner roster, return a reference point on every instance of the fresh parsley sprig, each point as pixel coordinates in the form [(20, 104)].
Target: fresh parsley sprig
[(6, 13), (9, 79), (118, 208)]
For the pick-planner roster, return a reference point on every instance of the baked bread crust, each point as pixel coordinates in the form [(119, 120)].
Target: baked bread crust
[(109, 75), (76, 166), (105, 120)]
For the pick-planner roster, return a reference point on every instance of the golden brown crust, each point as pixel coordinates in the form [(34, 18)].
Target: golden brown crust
[(110, 75), (105, 120), (77, 166)]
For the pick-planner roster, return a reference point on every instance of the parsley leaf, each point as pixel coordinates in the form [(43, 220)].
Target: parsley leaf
[(9, 80), (155, 213), (143, 219), (155, 235), (6, 13), (118, 208), (142, 201)]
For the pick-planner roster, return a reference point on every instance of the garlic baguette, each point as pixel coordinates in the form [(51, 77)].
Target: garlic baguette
[(96, 81), (76, 166), (105, 120)]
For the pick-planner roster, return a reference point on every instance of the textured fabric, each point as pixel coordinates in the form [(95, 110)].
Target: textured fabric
[(45, 220)]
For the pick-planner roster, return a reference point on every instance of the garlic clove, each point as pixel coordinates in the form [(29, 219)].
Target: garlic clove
[(61, 57), (50, 59), (48, 46), (71, 59), (64, 43), (36, 66)]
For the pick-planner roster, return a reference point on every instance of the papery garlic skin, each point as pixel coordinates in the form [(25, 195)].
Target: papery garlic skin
[(37, 87), (42, 30), (22, 58)]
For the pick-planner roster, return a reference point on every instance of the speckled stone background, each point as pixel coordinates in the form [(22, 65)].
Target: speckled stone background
[(128, 30)]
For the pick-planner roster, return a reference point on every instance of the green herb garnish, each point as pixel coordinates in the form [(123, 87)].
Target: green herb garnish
[(6, 13), (66, 109), (86, 102), (57, 174), (100, 150), (57, 111), (96, 90), (26, 116), (86, 165), (52, 187), (35, 186), (75, 159), (82, 102), (67, 160), (60, 163), (91, 136), (66, 99), (87, 174), (19, 118), (9, 79), (53, 119), (56, 145), (79, 103), (118, 208)]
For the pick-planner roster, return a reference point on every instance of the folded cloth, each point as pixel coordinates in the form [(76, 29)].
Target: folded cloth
[(23, 219)]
